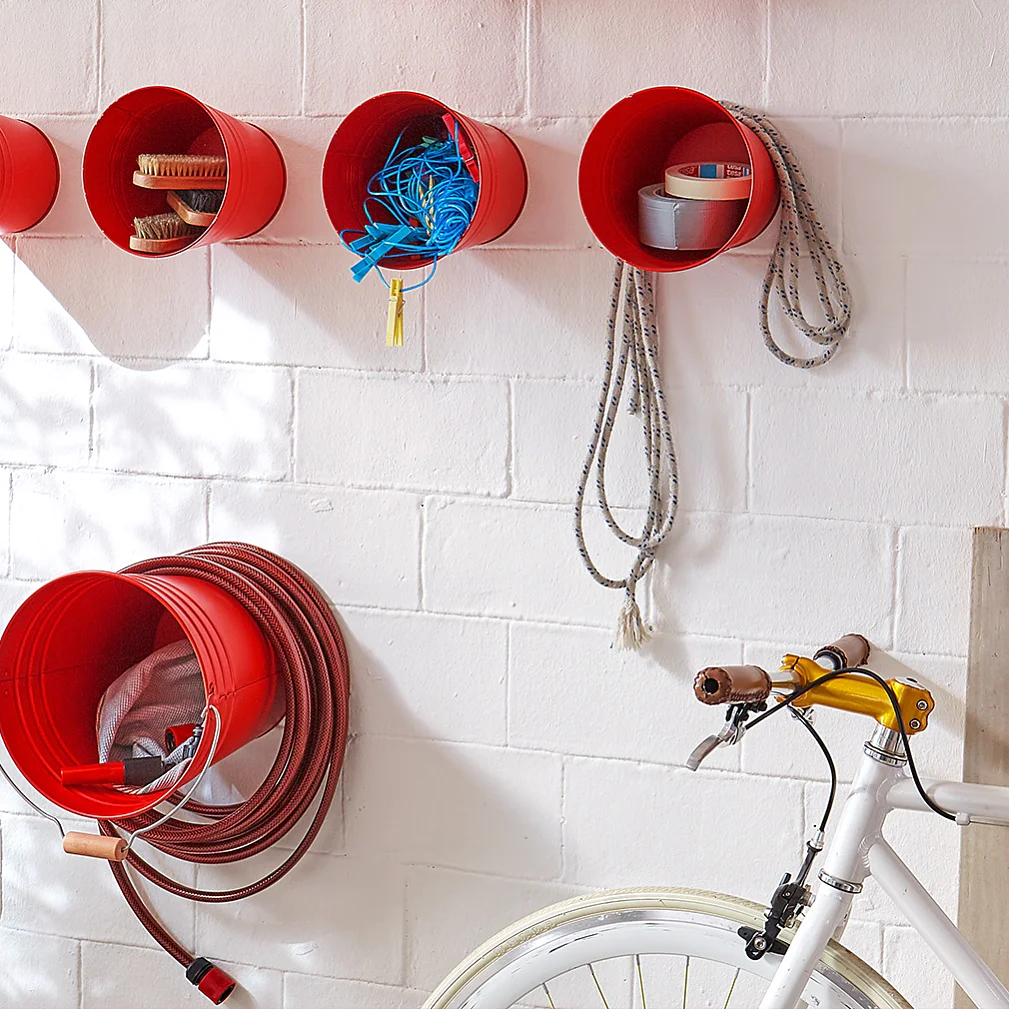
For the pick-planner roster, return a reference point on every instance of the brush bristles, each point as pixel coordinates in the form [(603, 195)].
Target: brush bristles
[(183, 164), (203, 201), (162, 226)]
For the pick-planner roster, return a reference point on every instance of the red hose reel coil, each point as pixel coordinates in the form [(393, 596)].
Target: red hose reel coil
[(300, 626)]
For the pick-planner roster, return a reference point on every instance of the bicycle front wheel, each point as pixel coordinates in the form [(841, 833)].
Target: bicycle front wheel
[(646, 949)]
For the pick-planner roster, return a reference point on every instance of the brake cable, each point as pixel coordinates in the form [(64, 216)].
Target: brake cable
[(894, 703), (790, 894)]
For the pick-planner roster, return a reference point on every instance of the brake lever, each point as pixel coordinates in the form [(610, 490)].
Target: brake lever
[(708, 746), (727, 734), (731, 732)]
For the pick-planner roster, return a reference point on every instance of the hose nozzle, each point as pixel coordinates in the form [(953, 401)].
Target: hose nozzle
[(210, 979)]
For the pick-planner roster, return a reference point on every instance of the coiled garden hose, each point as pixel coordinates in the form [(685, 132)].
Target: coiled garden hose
[(299, 625)]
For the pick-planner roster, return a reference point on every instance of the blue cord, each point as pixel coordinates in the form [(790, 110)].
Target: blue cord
[(430, 195)]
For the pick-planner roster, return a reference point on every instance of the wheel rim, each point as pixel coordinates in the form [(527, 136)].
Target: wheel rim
[(608, 960)]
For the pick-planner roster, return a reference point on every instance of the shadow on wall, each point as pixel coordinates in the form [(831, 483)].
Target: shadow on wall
[(297, 304), (407, 802), (44, 413), (194, 421), (77, 295), (460, 805), (411, 804)]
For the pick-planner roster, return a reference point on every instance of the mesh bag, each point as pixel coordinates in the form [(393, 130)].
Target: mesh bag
[(160, 691)]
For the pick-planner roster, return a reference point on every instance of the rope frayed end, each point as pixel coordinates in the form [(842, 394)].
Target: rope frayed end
[(632, 632)]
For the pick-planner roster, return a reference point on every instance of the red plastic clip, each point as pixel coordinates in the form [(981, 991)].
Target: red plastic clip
[(456, 132), (176, 735)]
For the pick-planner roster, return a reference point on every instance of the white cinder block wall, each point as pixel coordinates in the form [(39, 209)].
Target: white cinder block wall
[(504, 756)]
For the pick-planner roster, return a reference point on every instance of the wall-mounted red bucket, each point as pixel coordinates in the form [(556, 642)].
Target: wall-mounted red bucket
[(29, 175), (158, 120), (362, 144), (75, 635), (630, 147)]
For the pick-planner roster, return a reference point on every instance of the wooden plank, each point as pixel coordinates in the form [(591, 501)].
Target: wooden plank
[(984, 882)]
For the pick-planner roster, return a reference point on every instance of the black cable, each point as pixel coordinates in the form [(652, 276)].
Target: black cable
[(858, 671), (830, 763)]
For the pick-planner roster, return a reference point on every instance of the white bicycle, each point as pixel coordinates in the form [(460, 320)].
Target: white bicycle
[(656, 948)]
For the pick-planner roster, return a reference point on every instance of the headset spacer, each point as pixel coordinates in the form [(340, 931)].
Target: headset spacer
[(839, 884)]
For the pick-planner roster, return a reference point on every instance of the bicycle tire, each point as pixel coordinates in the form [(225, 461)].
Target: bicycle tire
[(576, 918)]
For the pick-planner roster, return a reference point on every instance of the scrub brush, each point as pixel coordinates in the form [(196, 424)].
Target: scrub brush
[(161, 233), (197, 206), (181, 171)]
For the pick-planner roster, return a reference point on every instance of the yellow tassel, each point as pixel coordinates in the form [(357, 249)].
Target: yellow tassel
[(394, 320)]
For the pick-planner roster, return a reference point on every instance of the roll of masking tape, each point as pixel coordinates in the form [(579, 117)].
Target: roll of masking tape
[(672, 222), (709, 180)]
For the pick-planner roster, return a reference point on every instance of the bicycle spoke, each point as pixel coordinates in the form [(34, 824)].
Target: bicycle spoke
[(599, 987), (686, 976), (551, 1001), (731, 987), (641, 980)]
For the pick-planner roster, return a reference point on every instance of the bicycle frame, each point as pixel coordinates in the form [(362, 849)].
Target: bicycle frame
[(858, 851)]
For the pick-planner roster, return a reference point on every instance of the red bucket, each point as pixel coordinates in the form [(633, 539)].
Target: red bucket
[(362, 143), (630, 147), (159, 120), (29, 175), (75, 635)]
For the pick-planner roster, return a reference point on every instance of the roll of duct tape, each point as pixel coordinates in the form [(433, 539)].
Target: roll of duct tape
[(671, 222), (711, 180)]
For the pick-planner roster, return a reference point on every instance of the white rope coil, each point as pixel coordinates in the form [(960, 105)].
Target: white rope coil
[(801, 238), (799, 227), (639, 342)]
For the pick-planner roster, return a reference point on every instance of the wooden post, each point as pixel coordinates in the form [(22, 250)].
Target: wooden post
[(984, 851)]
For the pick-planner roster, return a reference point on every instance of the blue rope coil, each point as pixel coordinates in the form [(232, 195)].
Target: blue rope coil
[(430, 195)]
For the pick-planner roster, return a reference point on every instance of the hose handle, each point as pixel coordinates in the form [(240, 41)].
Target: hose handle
[(95, 846)]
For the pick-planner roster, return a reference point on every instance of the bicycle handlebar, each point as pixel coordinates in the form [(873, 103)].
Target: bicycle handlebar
[(812, 679), (732, 685), (751, 684), (847, 652)]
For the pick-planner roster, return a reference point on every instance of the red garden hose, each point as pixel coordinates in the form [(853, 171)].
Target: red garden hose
[(311, 658)]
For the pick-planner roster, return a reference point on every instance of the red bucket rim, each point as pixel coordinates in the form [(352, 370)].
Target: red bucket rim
[(7, 177), (613, 129), (49, 603), (219, 121), (368, 120)]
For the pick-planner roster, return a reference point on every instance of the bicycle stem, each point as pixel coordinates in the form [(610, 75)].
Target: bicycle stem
[(857, 694)]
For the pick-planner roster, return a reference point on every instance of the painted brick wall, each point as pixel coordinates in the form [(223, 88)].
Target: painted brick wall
[(504, 756)]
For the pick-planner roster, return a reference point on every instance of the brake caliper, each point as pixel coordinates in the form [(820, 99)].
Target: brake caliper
[(788, 900)]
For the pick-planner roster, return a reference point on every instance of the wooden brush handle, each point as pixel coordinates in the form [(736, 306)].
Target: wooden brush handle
[(146, 181), (190, 216), (95, 845), (161, 246)]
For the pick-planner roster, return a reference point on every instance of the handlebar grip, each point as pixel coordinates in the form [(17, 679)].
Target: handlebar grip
[(848, 652), (732, 685)]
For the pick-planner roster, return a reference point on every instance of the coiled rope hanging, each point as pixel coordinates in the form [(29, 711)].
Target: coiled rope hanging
[(639, 348), (799, 230), (798, 218), (311, 659)]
